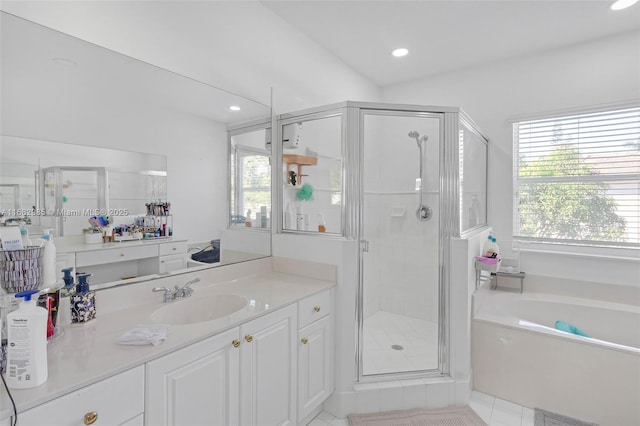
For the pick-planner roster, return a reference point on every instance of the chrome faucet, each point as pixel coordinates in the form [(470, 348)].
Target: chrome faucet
[(168, 294), (179, 292), (185, 290)]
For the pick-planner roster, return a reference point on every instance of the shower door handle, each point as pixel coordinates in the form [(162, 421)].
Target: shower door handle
[(364, 245)]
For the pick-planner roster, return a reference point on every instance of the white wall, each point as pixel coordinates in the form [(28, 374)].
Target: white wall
[(600, 72), (238, 46)]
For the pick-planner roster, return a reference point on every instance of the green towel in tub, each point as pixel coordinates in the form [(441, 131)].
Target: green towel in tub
[(570, 328)]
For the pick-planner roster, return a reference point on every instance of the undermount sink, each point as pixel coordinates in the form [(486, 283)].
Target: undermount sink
[(198, 309)]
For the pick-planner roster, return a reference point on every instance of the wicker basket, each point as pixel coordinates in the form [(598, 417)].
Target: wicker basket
[(21, 270)]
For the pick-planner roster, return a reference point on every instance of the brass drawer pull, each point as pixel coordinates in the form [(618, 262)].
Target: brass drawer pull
[(304, 340), (316, 308), (90, 418), (235, 343), (248, 338)]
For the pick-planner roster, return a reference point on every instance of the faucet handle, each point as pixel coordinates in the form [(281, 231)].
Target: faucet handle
[(168, 293), (188, 284)]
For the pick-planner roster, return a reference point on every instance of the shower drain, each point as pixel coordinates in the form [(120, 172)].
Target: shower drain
[(397, 347)]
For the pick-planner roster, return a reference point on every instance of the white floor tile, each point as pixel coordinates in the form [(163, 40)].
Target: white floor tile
[(527, 416), (317, 422), (325, 416)]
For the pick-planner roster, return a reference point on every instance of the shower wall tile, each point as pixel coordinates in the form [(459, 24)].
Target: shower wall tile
[(415, 395), (439, 395), (367, 401), (392, 397)]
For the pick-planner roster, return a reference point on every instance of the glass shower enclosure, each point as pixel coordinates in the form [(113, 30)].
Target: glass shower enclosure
[(413, 178)]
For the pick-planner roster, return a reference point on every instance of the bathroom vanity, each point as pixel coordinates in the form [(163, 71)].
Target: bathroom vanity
[(109, 262), (268, 362)]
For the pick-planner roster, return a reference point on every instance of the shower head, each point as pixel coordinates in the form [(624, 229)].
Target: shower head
[(416, 135)]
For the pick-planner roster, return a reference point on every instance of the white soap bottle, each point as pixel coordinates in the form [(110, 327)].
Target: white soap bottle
[(24, 232), (27, 344), (48, 260)]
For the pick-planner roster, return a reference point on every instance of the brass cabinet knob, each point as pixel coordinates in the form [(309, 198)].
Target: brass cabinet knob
[(316, 308), (235, 343), (248, 337), (121, 254), (90, 418), (304, 340), (174, 249)]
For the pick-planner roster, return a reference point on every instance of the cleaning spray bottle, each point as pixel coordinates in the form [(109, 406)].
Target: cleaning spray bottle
[(491, 248), (48, 260), (27, 344)]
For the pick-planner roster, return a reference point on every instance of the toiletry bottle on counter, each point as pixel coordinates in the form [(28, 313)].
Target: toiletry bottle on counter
[(83, 301), (24, 232), (299, 219), (263, 216), (27, 344), (321, 225), (48, 260)]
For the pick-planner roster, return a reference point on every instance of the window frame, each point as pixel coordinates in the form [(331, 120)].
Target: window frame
[(589, 248)]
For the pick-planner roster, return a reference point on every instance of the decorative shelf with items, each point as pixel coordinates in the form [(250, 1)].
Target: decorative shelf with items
[(292, 160), (496, 265)]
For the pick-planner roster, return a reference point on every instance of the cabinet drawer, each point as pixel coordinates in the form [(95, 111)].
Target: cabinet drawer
[(175, 247), (122, 254), (314, 307), (115, 401)]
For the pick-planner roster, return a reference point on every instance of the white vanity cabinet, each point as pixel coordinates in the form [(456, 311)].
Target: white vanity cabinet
[(267, 362), (315, 353), (172, 256), (196, 385), (242, 376), (118, 400)]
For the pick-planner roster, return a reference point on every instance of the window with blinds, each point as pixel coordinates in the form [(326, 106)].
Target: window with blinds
[(577, 179)]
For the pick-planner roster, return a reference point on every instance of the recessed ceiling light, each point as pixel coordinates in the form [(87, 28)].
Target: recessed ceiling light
[(623, 4), (234, 108), (402, 52), (64, 62)]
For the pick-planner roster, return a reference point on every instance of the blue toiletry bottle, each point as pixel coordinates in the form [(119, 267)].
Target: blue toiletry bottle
[(68, 278), (83, 286)]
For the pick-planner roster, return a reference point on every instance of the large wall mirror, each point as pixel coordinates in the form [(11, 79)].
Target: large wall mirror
[(71, 105)]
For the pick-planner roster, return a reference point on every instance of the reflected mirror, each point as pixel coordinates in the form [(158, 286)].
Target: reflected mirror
[(115, 114)]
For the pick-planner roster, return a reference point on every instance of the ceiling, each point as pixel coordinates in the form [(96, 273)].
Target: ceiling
[(448, 35)]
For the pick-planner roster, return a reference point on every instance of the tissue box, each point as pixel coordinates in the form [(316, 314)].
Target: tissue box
[(83, 307)]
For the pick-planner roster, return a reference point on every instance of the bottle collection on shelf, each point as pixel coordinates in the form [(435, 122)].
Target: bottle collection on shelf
[(158, 223)]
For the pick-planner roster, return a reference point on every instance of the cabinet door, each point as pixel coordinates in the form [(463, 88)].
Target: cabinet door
[(172, 263), (125, 401), (315, 365), (197, 385), (268, 369)]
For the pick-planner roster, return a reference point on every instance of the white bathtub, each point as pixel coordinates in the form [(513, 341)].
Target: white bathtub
[(518, 355)]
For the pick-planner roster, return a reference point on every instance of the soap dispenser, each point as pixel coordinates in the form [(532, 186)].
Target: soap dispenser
[(27, 344), (83, 301), (48, 260)]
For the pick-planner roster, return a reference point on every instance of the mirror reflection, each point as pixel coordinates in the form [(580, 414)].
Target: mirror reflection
[(106, 131)]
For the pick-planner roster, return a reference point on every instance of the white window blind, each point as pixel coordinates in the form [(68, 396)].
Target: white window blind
[(577, 178)]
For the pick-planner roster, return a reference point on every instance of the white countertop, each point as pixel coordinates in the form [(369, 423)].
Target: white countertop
[(84, 354)]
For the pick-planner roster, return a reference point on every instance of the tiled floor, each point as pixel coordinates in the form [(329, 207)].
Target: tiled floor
[(417, 338), (494, 411)]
